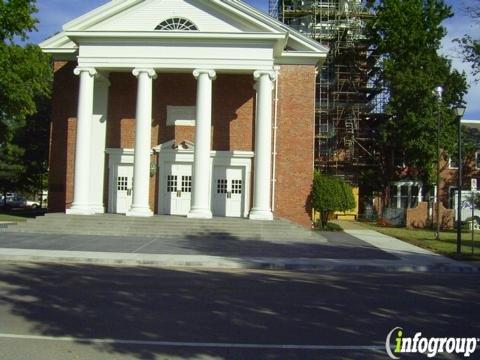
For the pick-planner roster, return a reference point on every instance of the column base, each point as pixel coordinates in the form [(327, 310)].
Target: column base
[(261, 215), (79, 210), (200, 214), (98, 209), (139, 212)]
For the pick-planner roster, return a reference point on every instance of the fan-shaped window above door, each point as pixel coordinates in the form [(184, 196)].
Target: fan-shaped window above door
[(176, 24)]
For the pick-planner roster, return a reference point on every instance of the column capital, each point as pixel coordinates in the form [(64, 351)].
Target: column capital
[(270, 73), (151, 72), (211, 73), (91, 71)]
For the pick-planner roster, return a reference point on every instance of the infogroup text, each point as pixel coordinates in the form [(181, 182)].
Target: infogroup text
[(427, 346)]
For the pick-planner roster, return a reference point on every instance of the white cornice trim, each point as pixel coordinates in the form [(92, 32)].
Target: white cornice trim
[(300, 58), (71, 51), (121, 35)]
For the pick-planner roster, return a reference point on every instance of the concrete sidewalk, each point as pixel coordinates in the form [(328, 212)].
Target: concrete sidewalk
[(352, 250)]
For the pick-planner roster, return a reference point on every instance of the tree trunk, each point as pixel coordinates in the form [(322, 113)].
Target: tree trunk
[(324, 217)]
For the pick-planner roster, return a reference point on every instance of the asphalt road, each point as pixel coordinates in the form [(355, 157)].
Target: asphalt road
[(83, 312)]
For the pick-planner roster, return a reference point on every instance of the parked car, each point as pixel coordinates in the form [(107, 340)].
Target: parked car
[(21, 202)]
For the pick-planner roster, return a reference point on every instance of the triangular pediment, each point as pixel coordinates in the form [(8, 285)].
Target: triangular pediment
[(212, 19), (146, 15)]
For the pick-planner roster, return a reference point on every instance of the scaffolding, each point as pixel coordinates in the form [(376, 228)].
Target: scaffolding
[(346, 104)]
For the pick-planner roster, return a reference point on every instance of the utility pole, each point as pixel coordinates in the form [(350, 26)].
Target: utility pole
[(459, 112), (438, 91)]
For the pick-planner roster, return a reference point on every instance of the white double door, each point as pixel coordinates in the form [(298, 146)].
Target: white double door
[(123, 189), (177, 188), (228, 189)]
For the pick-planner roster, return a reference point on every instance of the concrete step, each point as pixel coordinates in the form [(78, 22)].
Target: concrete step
[(165, 220), (162, 231), (268, 237), (157, 228), (164, 226), (185, 223), (156, 218)]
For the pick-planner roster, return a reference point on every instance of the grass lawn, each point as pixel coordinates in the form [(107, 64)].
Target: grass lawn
[(447, 245), (14, 218), (17, 215)]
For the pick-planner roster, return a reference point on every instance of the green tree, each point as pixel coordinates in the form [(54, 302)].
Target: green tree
[(347, 199), (33, 138), (25, 77), (330, 194), (11, 167), (404, 39), (470, 46)]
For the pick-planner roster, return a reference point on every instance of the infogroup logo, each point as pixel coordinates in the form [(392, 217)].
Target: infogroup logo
[(427, 346)]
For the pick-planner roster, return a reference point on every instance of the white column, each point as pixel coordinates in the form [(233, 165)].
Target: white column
[(263, 147), (80, 205), (200, 206), (399, 196), (420, 196), (409, 195), (99, 137), (143, 135)]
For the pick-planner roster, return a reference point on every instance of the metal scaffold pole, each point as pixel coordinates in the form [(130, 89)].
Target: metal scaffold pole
[(344, 110)]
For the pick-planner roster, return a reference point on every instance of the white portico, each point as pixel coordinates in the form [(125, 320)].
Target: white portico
[(204, 39)]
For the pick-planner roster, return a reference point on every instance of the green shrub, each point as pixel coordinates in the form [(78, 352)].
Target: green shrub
[(329, 194)]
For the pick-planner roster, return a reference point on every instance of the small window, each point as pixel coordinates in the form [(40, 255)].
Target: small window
[(172, 183), (452, 162), (236, 186), (451, 196), (122, 183), (222, 186), (186, 184), (176, 24)]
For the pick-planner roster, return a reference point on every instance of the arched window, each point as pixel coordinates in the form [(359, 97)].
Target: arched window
[(176, 24)]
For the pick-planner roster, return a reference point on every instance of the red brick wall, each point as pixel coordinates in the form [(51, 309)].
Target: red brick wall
[(232, 110), (62, 139), (295, 139), (448, 176)]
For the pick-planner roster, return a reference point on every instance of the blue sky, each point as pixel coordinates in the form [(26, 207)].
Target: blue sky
[(54, 13)]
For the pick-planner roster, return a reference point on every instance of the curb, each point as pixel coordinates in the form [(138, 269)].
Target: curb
[(217, 262)]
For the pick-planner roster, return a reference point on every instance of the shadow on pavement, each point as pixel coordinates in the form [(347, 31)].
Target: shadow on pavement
[(339, 246), (235, 307)]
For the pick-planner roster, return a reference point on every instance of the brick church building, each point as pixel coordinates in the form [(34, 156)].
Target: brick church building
[(192, 108)]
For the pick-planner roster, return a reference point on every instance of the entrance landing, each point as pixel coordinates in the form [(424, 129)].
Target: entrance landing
[(168, 227)]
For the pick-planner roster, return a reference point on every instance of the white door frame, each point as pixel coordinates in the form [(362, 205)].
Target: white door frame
[(116, 158), (171, 198), (170, 152), (227, 200)]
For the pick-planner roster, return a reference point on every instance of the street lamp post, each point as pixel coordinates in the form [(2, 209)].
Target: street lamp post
[(438, 92), (459, 112)]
